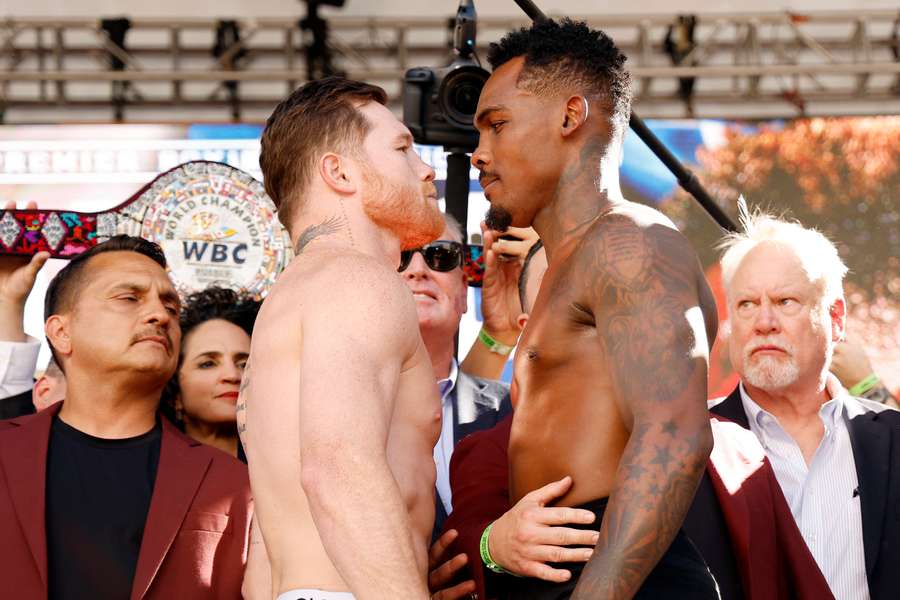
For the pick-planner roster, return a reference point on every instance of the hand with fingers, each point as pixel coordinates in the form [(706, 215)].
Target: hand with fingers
[(532, 534), (17, 277), (443, 574), (503, 259)]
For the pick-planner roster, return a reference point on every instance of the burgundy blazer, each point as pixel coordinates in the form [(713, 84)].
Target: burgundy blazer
[(195, 538), (771, 556)]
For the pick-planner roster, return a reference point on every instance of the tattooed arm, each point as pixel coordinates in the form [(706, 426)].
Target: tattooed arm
[(646, 298)]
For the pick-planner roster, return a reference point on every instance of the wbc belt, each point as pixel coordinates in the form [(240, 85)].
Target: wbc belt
[(215, 224)]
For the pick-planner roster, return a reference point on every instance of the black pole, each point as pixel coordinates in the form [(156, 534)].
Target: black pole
[(685, 177), (457, 196), (457, 199)]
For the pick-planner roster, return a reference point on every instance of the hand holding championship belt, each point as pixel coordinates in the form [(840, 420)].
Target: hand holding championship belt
[(215, 224)]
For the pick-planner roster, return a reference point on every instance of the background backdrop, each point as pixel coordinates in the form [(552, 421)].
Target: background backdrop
[(839, 175)]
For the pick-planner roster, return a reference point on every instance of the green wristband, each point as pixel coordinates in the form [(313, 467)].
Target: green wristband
[(493, 345), (486, 553), (864, 386)]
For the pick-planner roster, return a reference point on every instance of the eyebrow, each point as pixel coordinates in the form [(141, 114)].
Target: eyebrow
[(216, 354), (487, 110), (405, 137)]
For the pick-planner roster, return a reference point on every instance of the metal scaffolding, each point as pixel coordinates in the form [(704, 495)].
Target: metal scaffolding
[(738, 65)]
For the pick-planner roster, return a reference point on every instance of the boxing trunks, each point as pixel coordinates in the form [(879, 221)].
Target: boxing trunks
[(680, 574)]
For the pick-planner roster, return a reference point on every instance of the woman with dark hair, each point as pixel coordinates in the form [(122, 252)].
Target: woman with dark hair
[(216, 324)]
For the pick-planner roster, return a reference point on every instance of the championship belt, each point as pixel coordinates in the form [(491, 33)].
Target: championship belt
[(215, 224)]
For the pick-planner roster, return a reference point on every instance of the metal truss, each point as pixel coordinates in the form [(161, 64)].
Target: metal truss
[(740, 65)]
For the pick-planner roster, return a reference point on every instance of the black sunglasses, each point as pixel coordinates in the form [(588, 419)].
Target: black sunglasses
[(442, 256)]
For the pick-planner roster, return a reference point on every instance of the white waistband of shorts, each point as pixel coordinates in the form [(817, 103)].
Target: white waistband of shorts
[(314, 595)]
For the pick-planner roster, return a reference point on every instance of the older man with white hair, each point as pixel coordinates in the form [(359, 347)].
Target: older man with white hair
[(836, 457)]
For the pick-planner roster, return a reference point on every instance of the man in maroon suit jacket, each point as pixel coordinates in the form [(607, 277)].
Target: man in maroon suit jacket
[(195, 537), (771, 559), (99, 496)]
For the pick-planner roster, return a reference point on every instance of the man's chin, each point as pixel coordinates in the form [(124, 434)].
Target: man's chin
[(153, 366), (424, 232), (771, 376), (498, 218)]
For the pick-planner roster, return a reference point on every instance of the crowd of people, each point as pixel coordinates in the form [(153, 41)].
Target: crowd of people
[(327, 444)]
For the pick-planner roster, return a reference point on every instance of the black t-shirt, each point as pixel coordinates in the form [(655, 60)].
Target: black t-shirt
[(98, 497)]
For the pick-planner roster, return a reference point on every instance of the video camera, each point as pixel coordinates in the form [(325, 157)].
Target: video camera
[(439, 104)]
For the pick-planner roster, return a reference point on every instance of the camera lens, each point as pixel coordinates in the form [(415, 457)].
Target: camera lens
[(464, 97), (459, 94)]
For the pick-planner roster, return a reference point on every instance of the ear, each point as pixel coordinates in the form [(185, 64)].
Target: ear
[(464, 295), (56, 328), (522, 320), (838, 314), (39, 392), (335, 172), (577, 109)]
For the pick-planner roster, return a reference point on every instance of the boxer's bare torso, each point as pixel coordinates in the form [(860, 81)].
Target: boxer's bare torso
[(608, 306), (298, 364)]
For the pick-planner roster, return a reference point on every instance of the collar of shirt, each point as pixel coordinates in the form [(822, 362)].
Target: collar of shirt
[(445, 386), (761, 420)]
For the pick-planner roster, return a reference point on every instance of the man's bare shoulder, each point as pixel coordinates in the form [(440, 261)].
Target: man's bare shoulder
[(635, 249), (346, 284), (641, 223), (330, 272)]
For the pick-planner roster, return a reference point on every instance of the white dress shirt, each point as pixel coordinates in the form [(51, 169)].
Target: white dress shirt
[(443, 451), (17, 363), (823, 496)]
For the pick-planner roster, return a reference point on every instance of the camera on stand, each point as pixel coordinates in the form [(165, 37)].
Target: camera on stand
[(439, 104)]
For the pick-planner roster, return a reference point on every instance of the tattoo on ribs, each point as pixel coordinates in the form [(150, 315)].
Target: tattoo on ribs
[(245, 378), (241, 408), (329, 226)]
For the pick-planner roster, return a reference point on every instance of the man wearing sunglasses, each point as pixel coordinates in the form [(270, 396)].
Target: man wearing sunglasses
[(435, 276)]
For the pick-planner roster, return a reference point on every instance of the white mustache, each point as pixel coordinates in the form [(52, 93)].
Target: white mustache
[(777, 343)]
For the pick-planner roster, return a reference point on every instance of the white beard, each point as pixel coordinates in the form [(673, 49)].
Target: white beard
[(770, 373)]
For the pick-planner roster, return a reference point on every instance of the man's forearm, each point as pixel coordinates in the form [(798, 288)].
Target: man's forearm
[(365, 528), (12, 316), (655, 485), (481, 362)]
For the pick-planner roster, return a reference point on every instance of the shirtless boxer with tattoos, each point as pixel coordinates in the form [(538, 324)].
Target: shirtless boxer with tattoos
[(610, 374), (339, 410)]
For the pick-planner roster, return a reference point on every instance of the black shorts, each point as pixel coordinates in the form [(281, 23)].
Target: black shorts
[(680, 574)]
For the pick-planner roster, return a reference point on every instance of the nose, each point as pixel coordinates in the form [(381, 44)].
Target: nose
[(766, 319), (417, 269), (426, 172), (480, 158), (231, 373), (158, 313)]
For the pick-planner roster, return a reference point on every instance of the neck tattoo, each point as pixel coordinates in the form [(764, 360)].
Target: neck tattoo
[(329, 226)]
